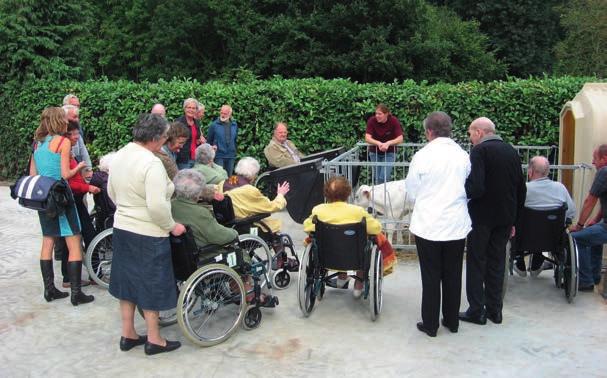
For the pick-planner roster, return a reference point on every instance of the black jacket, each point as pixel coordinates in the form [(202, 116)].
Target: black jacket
[(496, 185), (183, 156)]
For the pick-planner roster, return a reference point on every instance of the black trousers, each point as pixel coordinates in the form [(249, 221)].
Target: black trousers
[(441, 265), (485, 266), (88, 233)]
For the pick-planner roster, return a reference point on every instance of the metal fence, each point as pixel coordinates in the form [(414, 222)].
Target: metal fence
[(394, 210)]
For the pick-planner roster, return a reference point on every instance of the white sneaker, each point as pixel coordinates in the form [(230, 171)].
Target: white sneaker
[(357, 293)]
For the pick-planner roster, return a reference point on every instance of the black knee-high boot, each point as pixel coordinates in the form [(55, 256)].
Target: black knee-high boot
[(74, 270), (48, 277)]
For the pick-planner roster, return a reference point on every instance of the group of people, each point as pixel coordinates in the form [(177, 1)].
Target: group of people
[(478, 197), (157, 181)]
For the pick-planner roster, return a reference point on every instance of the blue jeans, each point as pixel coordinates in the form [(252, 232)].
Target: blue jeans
[(227, 164), (590, 242), (382, 173)]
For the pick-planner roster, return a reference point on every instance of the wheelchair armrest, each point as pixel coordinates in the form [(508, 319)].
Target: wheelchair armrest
[(208, 248), (250, 219)]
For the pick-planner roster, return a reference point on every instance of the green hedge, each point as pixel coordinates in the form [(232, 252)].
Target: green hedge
[(321, 113)]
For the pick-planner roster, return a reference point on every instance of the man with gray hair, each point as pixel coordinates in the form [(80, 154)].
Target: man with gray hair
[(496, 189), (189, 186), (281, 152), (542, 194), (79, 149), (71, 99), (223, 132)]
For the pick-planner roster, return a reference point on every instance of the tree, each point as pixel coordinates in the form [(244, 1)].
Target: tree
[(44, 39), (524, 32), (584, 49)]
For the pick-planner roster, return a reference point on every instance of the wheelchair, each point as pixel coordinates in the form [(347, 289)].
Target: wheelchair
[(281, 279), (340, 248), (98, 256), (212, 299), (545, 231)]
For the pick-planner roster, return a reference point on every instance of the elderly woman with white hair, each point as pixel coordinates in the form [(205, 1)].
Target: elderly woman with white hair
[(212, 172), (248, 200), (189, 187)]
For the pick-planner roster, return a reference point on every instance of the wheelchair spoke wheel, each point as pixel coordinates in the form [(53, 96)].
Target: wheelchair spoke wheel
[(281, 279), (570, 271), (259, 252), (211, 305), (252, 318), (376, 278), (306, 293), (98, 258)]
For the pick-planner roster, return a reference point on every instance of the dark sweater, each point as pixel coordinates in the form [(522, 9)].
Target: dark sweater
[(183, 156), (496, 185)]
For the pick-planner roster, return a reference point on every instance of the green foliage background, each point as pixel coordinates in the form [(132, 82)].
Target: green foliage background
[(321, 113)]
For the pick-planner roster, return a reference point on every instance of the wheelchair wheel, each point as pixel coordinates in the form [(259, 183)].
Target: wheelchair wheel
[(98, 258), (252, 318), (281, 279), (306, 293), (508, 268), (211, 305), (376, 278), (259, 251), (570, 271)]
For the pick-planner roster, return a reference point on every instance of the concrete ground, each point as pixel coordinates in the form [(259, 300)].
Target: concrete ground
[(542, 335)]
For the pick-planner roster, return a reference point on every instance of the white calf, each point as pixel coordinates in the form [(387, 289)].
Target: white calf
[(389, 200)]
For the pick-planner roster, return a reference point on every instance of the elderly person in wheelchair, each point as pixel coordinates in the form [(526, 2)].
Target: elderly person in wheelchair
[(212, 172), (248, 201), (210, 236), (338, 212)]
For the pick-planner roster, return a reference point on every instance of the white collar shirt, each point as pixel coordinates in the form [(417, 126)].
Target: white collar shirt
[(435, 183)]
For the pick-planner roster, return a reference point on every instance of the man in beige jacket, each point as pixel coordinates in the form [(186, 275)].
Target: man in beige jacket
[(281, 152)]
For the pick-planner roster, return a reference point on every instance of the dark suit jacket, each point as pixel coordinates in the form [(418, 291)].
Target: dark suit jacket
[(183, 156), (496, 185)]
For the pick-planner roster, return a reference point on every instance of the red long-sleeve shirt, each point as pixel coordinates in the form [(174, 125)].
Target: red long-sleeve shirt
[(77, 182)]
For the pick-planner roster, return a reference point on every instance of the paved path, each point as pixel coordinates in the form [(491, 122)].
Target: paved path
[(542, 335)]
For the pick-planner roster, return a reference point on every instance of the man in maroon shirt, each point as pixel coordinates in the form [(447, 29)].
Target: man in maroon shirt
[(383, 133)]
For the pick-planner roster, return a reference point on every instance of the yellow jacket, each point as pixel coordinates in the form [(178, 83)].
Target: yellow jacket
[(248, 200), (342, 213)]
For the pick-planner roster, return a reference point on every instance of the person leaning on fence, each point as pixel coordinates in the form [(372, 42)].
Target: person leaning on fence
[(440, 221), (212, 172), (52, 158), (496, 189), (281, 152), (383, 133), (337, 211), (142, 270), (542, 194), (591, 233)]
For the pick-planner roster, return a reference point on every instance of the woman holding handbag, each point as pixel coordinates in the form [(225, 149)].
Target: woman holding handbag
[(52, 159)]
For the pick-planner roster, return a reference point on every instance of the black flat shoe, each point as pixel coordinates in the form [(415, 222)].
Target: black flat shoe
[(480, 320), (586, 288), (128, 344), (151, 349), (452, 329), (421, 328), (495, 318)]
